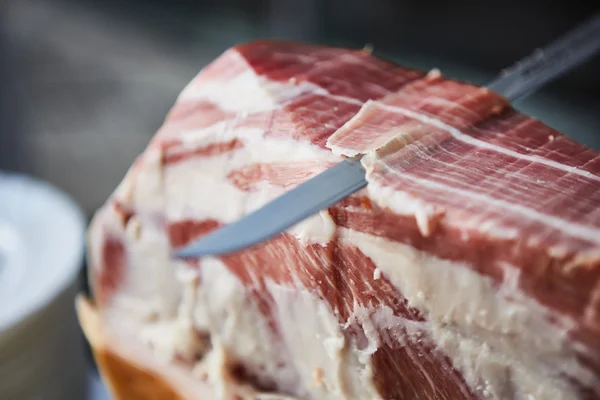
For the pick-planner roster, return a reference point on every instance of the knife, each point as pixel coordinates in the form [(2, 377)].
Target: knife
[(347, 177)]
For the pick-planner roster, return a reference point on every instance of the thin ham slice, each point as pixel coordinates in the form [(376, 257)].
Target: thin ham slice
[(468, 268)]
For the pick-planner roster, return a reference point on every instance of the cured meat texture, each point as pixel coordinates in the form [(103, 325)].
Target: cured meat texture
[(468, 268)]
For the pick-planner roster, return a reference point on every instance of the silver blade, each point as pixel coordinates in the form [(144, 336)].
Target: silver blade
[(327, 188), (546, 64), (345, 178)]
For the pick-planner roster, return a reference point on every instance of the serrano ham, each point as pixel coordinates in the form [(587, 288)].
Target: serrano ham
[(468, 268)]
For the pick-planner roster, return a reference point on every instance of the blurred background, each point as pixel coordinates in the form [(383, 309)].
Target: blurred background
[(84, 84)]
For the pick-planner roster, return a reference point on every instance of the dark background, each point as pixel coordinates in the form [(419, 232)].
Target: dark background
[(84, 84)]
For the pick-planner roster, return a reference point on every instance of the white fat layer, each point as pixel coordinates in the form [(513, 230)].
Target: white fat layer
[(318, 229), (387, 197), (427, 215), (495, 335), (248, 92), (212, 194), (258, 149), (327, 365), (147, 255), (144, 185), (227, 313)]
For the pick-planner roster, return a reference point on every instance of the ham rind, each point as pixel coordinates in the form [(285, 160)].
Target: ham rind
[(468, 268)]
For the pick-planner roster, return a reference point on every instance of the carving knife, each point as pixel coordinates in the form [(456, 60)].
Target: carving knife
[(347, 177)]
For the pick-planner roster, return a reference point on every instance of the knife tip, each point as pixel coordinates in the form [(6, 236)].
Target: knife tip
[(204, 247), (185, 253)]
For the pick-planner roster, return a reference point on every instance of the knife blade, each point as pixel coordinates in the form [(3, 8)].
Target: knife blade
[(334, 184)]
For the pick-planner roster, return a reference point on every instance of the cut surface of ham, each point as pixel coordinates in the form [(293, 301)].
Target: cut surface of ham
[(468, 268)]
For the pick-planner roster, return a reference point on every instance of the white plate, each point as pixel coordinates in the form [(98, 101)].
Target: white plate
[(41, 246)]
